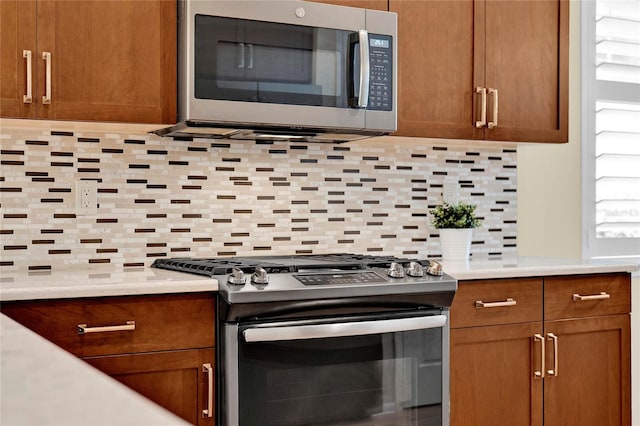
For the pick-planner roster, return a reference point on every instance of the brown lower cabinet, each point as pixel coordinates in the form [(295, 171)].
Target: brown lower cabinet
[(163, 346), (552, 351)]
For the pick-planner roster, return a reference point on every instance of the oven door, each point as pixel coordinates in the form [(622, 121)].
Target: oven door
[(363, 370)]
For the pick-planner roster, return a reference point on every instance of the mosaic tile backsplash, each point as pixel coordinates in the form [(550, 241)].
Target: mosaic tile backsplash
[(160, 197)]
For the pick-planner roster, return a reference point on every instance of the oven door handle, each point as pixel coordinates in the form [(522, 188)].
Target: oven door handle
[(342, 329)]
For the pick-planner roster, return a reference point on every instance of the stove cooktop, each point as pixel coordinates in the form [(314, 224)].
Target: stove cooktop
[(276, 278)]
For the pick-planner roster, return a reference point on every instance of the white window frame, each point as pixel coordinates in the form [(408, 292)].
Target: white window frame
[(593, 247)]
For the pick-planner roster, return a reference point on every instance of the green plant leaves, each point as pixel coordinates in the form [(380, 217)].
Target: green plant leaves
[(457, 216)]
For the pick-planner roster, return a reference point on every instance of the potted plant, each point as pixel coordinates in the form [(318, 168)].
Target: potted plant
[(455, 222)]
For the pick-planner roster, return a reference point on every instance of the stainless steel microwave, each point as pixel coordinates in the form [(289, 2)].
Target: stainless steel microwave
[(285, 69)]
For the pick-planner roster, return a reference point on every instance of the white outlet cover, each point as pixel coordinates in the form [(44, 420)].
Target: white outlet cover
[(86, 197)]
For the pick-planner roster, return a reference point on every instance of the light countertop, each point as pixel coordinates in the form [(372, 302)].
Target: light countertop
[(44, 385), (98, 282), (109, 281), (514, 267)]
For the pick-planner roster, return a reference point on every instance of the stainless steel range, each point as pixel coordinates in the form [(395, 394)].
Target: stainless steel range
[(337, 339)]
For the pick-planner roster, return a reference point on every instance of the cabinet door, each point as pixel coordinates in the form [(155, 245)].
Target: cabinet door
[(17, 33), (492, 375), (436, 69), (591, 385), (110, 60), (526, 59), (174, 380)]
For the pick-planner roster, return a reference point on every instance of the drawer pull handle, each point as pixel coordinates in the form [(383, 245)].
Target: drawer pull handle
[(129, 326), (493, 124), (206, 368), (483, 111), (577, 297), (539, 374), (508, 302), (554, 339)]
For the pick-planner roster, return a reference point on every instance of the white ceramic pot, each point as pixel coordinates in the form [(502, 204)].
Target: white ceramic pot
[(455, 243)]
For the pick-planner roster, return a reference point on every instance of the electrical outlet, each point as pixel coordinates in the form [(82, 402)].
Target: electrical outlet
[(86, 197), (450, 192)]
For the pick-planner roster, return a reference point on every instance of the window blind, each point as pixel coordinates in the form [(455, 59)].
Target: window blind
[(616, 109)]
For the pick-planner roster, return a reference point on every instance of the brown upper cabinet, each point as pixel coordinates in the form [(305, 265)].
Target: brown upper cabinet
[(88, 60), (483, 69)]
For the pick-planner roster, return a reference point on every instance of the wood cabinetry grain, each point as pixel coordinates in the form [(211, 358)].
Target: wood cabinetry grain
[(105, 65), (162, 357), (449, 49), (565, 362)]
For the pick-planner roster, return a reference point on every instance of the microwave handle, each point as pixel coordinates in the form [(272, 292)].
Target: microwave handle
[(363, 97), (342, 329)]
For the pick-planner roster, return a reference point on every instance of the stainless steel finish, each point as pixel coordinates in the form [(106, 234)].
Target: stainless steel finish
[(230, 394), (602, 296), (260, 276), (494, 122), (323, 331), (345, 124), (539, 374), (554, 340), (483, 110), (365, 72), (208, 370), (435, 268), (415, 270), (46, 99), (395, 270), (250, 66), (84, 329), (28, 97), (237, 277), (508, 302)]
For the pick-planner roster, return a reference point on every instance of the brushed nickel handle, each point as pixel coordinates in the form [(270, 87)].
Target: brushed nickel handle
[(365, 69), (46, 99), (483, 112), (241, 63), (206, 368), (554, 339), (129, 326), (578, 297), (539, 374), (508, 302), (28, 98), (494, 123), (250, 66)]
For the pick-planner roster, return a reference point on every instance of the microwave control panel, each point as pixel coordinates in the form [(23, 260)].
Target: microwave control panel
[(381, 69)]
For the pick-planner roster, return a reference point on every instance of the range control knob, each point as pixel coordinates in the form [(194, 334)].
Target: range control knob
[(395, 270), (260, 276), (415, 270), (435, 268), (237, 277)]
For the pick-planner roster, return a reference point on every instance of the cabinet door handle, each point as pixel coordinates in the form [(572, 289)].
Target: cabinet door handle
[(250, 66), (539, 374), (28, 98), (241, 62), (494, 123), (508, 302), (129, 326), (483, 110), (577, 297), (206, 368), (554, 340), (46, 99)]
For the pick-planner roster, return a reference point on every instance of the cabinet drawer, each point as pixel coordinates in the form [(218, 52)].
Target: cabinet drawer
[(578, 296), (164, 322), (490, 302)]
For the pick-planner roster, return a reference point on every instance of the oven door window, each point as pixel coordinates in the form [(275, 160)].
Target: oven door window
[(253, 61), (378, 379)]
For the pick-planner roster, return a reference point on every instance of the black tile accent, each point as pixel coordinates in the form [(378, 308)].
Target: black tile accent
[(112, 150), (134, 141), (41, 143), (87, 140), (59, 133)]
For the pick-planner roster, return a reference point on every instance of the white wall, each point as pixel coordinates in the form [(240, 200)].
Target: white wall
[(549, 201)]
